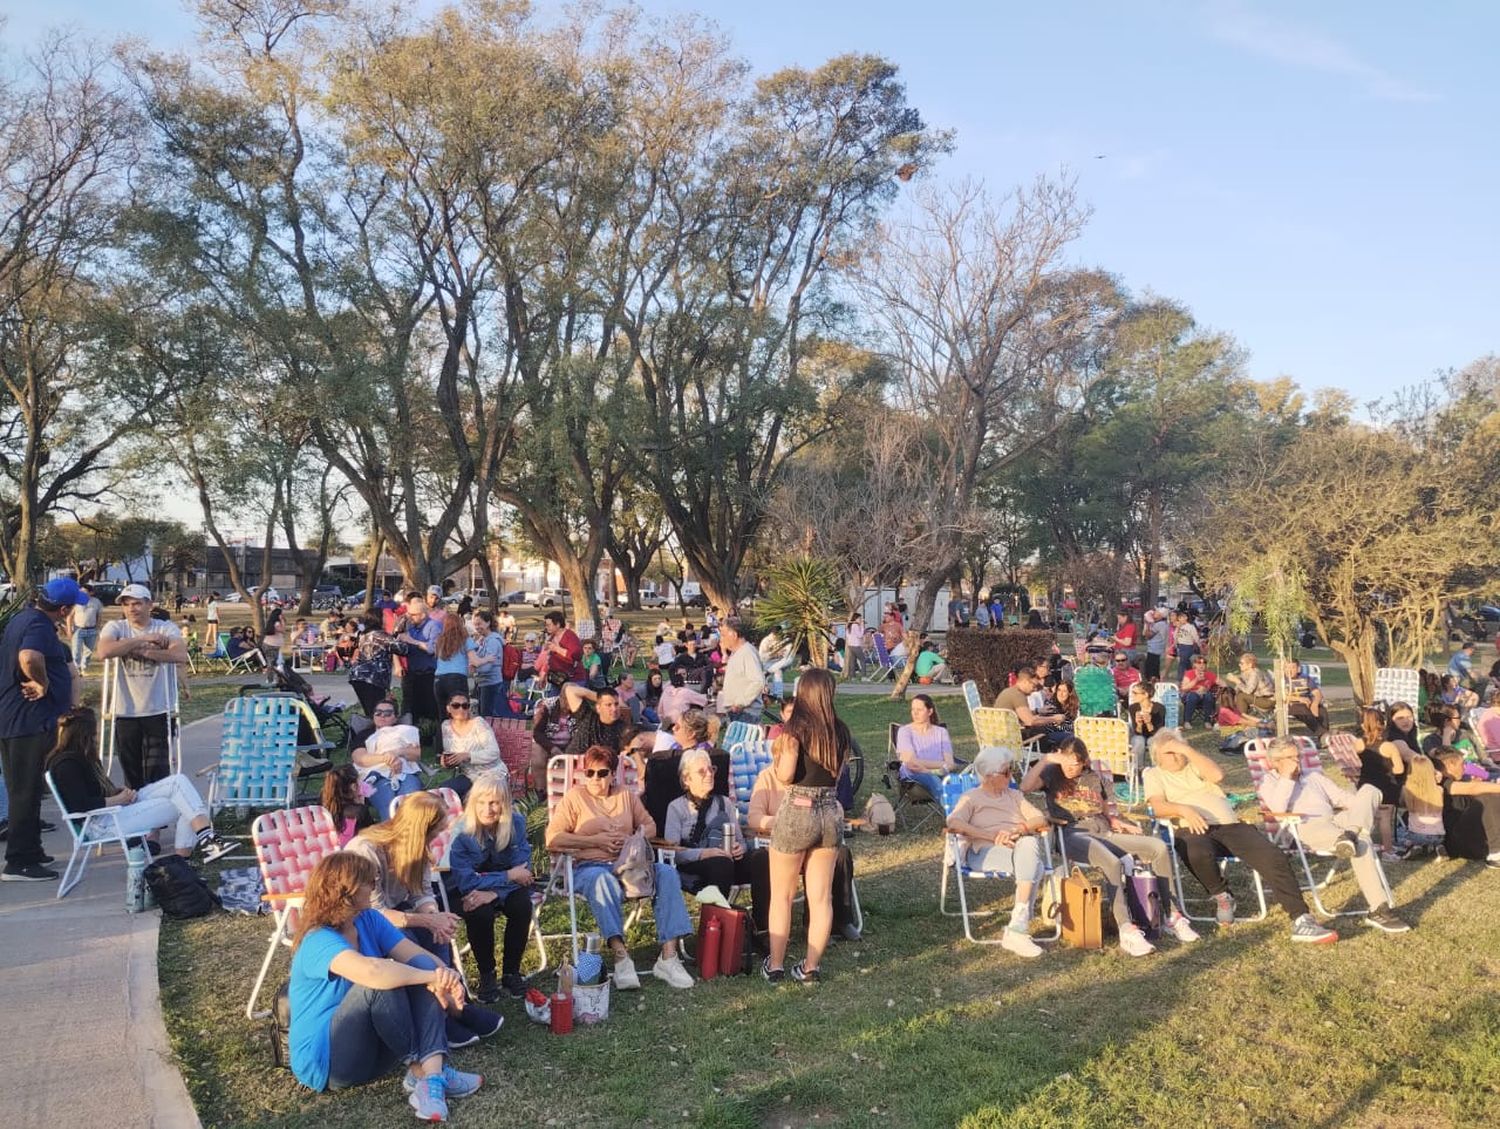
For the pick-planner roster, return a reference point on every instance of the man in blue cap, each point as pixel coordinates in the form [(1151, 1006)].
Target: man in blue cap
[(36, 688)]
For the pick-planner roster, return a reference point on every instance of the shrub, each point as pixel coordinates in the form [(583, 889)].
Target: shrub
[(988, 656)]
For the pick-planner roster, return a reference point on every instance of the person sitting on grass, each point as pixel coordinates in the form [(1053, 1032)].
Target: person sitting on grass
[(1183, 786), (1304, 700), (171, 801), (490, 869), (930, 666), (344, 795), (1254, 693), (591, 822), (1081, 802), (1471, 812), (705, 826), (1003, 831), (364, 997), (924, 748), (1330, 817)]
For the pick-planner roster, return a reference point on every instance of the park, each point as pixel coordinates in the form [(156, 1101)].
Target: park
[(586, 392)]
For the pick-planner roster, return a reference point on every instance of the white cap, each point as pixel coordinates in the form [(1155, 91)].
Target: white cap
[(135, 592)]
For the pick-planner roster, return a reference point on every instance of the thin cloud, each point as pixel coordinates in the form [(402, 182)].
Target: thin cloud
[(1299, 45)]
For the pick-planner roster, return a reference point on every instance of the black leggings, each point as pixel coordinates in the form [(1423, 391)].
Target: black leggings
[(369, 695), (516, 906), (1249, 844)]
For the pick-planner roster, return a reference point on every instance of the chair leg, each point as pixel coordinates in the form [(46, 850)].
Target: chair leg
[(80, 856), (265, 965)]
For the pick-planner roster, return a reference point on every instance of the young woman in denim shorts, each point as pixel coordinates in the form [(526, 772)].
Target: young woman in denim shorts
[(807, 757)]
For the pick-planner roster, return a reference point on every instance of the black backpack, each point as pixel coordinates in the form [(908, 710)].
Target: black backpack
[(178, 889)]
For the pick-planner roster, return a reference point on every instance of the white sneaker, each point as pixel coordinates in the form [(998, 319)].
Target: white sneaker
[(670, 969), (1020, 943), (626, 979), (1182, 929), (1133, 942)]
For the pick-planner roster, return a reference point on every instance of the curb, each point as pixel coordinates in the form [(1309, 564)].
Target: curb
[(161, 1081)]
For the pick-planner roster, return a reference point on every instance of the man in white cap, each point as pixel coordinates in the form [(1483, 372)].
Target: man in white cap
[(144, 679)]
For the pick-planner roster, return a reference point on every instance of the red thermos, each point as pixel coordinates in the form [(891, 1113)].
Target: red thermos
[(708, 959)]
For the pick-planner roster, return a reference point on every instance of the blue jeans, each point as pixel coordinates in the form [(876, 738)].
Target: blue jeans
[(373, 1030), (1185, 661), (384, 795), (929, 780), (1194, 703), (601, 889), (751, 715), (494, 699), (4, 801), (85, 643)]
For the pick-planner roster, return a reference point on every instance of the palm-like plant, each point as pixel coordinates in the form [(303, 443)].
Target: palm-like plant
[(802, 593)]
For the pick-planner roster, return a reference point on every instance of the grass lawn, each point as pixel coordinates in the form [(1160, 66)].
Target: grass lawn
[(915, 1027)]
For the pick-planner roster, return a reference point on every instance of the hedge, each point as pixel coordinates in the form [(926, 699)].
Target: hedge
[(987, 656)]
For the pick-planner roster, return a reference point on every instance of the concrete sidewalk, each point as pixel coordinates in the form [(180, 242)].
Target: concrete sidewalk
[(85, 1042)]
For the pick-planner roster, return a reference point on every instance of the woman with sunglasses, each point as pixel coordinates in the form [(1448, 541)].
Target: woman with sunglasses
[(468, 743), (1198, 687), (591, 822)]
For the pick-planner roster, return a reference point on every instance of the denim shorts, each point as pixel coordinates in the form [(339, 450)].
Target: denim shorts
[(807, 818)]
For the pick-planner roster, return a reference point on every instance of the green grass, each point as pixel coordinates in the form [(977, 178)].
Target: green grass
[(915, 1027)]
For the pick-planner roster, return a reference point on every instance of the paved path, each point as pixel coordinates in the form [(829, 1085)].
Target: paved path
[(85, 1043)]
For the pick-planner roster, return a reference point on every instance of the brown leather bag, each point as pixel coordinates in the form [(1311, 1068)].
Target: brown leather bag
[(1082, 911)]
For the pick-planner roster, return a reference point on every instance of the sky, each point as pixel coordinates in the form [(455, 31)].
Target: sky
[(1318, 180)]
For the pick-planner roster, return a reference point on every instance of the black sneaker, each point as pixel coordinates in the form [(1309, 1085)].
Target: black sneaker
[(48, 826), (481, 1020), (774, 975), (489, 988), (805, 975), (1386, 921), (514, 985), (459, 1035), (35, 872)]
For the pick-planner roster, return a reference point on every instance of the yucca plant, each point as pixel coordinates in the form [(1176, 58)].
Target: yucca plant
[(801, 594)]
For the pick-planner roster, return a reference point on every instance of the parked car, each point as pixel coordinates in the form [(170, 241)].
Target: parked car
[(549, 597), (106, 591), (650, 599), (1480, 623), (511, 598), (358, 599), (696, 600)]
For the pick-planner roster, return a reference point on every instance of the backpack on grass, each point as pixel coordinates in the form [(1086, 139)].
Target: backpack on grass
[(178, 888)]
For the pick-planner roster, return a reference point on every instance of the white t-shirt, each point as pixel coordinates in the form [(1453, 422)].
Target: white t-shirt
[(86, 617), (666, 653), (143, 686), (385, 741), (1187, 788), (213, 611)]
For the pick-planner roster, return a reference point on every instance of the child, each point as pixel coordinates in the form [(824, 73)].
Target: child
[(344, 795), (1471, 812)]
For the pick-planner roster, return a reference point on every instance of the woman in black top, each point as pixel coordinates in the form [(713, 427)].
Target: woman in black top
[(84, 787), (808, 756), (1471, 812), (1382, 762)]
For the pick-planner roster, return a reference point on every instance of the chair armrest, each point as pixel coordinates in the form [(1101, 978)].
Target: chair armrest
[(290, 897)]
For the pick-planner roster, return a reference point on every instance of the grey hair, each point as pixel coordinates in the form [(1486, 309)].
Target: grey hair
[(1283, 745), (690, 760), (993, 760), (1162, 737)]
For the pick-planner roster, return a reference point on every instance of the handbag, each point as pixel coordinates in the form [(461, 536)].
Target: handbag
[(1147, 896), (1082, 907), (636, 867)]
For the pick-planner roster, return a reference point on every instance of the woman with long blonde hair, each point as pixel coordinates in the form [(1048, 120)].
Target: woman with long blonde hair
[(364, 997), (490, 863), (808, 757)]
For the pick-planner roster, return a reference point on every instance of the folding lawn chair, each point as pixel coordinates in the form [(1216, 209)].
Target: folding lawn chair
[(747, 759), (1344, 750), (972, 700), (1108, 741), (1283, 831), (998, 728), (954, 853), (1397, 684), (257, 765), (910, 794), (89, 829), (109, 699), (288, 846), (737, 732), (1171, 699), (884, 664), (513, 735)]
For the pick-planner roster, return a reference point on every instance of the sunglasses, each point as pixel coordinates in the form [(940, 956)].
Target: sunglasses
[(596, 773), (385, 713), (458, 705)]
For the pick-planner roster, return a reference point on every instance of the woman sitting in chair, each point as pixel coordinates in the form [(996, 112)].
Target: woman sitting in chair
[(924, 747), (169, 802), (389, 758), (468, 743), (490, 868), (364, 997), (591, 822), (1002, 831), (705, 826), (399, 850)]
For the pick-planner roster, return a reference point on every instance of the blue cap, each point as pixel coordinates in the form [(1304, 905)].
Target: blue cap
[(62, 592)]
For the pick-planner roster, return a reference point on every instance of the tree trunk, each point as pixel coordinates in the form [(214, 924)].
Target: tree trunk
[(487, 573), (372, 568), (921, 620)]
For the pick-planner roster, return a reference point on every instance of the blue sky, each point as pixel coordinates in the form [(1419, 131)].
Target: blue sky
[(1319, 180)]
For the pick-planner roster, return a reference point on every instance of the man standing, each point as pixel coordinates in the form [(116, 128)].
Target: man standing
[(146, 650), (1156, 643), (420, 637), (211, 613), (744, 680), (36, 688), (86, 629)]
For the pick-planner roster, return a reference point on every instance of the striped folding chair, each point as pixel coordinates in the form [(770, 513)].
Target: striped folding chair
[(1171, 699), (1343, 748), (738, 732), (288, 845), (1283, 831), (971, 695), (954, 853), (513, 735), (257, 765), (89, 830), (883, 664), (747, 760), (1108, 741), (1397, 684)]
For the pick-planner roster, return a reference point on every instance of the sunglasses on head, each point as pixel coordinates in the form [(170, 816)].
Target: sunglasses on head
[(458, 705), (596, 773)]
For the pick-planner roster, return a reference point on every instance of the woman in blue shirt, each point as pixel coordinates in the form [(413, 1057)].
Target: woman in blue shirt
[(363, 997), (490, 865), (486, 652), (452, 651)]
